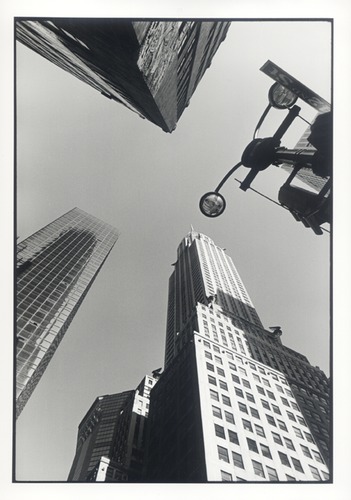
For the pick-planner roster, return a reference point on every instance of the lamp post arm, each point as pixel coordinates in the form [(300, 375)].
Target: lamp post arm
[(226, 177), (260, 121)]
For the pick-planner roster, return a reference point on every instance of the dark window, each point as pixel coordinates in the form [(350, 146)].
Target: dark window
[(223, 385), (259, 430), (252, 445), (223, 454), (229, 417), (239, 392), (226, 476), (282, 425), (289, 443), (226, 400), (242, 407), (219, 430), (212, 380), (297, 464), (210, 367), (238, 460), (265, 451), (247, 425), (284, 459), (277, 438), (272, 474), (258, 469), (254, 412), (216, 412), (233, 437), (315, 473), (271, 420)]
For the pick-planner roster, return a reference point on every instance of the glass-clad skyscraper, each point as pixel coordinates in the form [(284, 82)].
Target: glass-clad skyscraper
[(55, 268), (233, 403)]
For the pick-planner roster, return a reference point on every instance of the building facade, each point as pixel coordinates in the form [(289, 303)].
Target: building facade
[(233, 403), (55, 268), (110, 443), (151, 67)]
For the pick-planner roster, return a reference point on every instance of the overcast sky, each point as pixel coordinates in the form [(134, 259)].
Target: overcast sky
[(77, 148)]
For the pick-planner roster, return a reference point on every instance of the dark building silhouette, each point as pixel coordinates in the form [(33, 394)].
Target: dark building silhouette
[(152, 67), (111, 437)]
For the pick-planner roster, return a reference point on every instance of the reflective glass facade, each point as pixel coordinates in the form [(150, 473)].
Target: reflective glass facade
[(55, 268)]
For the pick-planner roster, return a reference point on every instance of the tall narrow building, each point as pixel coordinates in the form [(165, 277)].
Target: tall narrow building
[(110, 443), (151, 67), (55, 268), (233, 403)]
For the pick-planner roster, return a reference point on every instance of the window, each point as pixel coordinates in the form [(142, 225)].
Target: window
[(242, 407), (239, 392), (226, 476), (277, 438), (219, 430), (280, 389), (223, 385), (260, 390), (271, 420), (210, 367), (246, 383), (238, 460), (266, 382), (317, 456), (290, 478), (226, 400), (207, 344), (232, 366), (259, 430), (265, 404), (223, 454), (306, 451), (254, 412), (284, 459), (297, 464), (265, 451), (284, 401), (229, 417), (276, 409), (216, 348), (242, 370), (220, 372), (208, 355), (247, 425), (216, 412), (272, 474), (214, 395), (212, 380), (258, 469), (291, 416), (256, 377), (325, 475), (270, 394), (261, 370), (294, 405), (289, 443), (233, 437), (250, 397), (315, 473), (301, 420), (252, 445), (235, 378), (218, 360), (298, 432), (309, 437), (282, 425)]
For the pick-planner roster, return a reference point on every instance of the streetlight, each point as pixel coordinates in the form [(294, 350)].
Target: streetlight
[(263, 152)]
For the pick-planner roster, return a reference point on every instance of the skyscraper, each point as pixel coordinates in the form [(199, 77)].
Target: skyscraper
[(55, 268), (110, 443), (151, 67), (233, 403)]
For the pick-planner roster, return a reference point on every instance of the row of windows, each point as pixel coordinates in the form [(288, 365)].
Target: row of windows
[(238, 461)]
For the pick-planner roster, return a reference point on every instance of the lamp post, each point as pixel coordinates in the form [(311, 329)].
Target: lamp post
[(263, 152)]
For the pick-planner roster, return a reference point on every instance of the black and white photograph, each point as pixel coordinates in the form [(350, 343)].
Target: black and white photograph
[(174, 253)]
